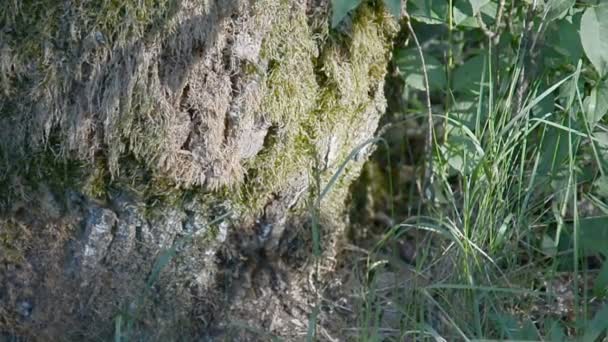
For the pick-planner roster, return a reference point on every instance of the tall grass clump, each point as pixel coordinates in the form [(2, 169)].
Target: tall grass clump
[(511, 243)]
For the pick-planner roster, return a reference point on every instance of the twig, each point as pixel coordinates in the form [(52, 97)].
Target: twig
[(492, 35), (428, 172)]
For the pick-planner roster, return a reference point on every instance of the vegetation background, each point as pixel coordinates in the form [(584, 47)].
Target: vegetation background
[(502, 217)]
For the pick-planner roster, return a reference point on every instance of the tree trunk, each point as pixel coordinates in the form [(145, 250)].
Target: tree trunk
[(162, 160)]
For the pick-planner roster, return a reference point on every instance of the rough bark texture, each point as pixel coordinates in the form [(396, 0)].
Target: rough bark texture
[(127, 127)]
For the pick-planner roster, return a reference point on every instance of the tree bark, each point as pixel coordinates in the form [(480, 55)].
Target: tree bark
[(162, 162)]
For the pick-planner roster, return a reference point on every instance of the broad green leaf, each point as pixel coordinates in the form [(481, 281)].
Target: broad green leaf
[(594, 234), (341, 8), (596, 104), (460, 155), (476, 5), (554, 156), (569, 38), (557, 8), (465, 111), (546, 104), (428, 11), (594, 36), (601, 281), (410, 66), (554, 151), (601, 186), (394, 6), (461, 151), (563, 40), (513, 330), (528, 332), (561, 187), (464, 14), (508, 324), (462, 11), (548, 246), (602, 139), (597, 325), (554, 330), (468, 75)]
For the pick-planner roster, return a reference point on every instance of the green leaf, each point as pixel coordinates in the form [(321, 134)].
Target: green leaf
[(462, 153), (555, 150), (602, 139), (466, 111), (394, 6), (554, 330), (597, 325), (410, 66), (568, 92), (462, 11), (547, 104), (528, 332), (341, 8), (465, 16), (601, 186), (468, 75), (548, 246), (594, 235), (513, 329), (557, 8), (601, 281), (476, 5), (596, 104), (594, 36), (428, 11), (508, 325), (569, 38)]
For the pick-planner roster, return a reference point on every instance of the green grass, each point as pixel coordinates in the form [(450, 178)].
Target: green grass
[(504, 241)]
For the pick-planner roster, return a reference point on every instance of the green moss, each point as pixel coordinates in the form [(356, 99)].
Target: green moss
[(290, 96), (97, 181), (42, 40), (20, 178), (12, 243), (38, 25), (45, 46), (251, 69), (316, 81)]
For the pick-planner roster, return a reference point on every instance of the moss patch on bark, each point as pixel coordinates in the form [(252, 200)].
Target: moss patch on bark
[(319, 85)]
